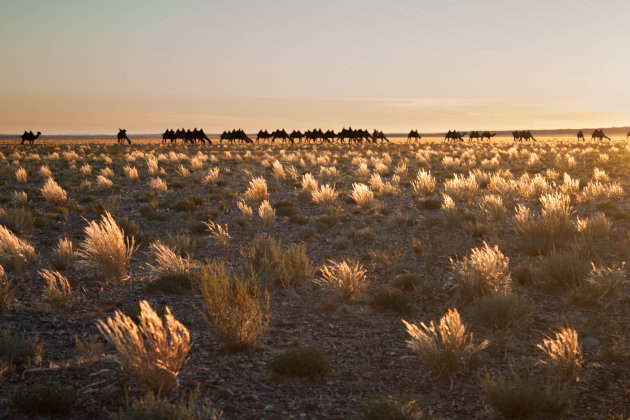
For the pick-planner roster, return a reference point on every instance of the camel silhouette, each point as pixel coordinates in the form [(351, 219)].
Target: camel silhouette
[(454, 136), (599, 135), (488, 135), (122, 135), (580, 135), (263, 135), (474, 135), (30, 137), (523, 135), (413, 135), (379, 135)]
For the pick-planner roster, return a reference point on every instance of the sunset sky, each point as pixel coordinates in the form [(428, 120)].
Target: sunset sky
[(92, 67)]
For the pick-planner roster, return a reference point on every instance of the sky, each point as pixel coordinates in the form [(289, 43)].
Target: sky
[(91, 67)]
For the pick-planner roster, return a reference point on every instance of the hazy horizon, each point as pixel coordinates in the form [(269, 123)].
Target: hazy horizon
[(79, 67)]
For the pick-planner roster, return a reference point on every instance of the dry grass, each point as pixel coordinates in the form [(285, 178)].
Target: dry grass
[(362, 195), (445, 348), (167, 261), (64, 254), (104, 182), (153, 350), (21, 176), (564, 354), (267, 214), (484, 272), (424, 184), (325, 195), (219, 233), (462, 189), (105, 247), (53, 193), (237, 307), (57, 292), (257, 190), (158, 186), (346, 278), (15, 254), (131, 173)]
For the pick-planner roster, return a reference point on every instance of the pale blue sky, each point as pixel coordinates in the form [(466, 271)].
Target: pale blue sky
[(94, 66)]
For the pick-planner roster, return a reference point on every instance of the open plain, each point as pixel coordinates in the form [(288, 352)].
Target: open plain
[(246, 246)]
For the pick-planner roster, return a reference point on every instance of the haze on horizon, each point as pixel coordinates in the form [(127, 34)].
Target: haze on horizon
[(92, 67)]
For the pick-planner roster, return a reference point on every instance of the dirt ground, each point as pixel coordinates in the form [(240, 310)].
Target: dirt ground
[(366, 345)]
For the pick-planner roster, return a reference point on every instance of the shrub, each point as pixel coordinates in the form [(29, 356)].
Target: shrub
[(168, 262), (237, 307), (446, 347), (7, 295), (53, 193), (309, 183), (20, 175), (564, 270), (345, 278), (157, 185), (424, 183), (362, 195), (257, 190), (131, 172), (483, 272), (391, 300), (45, 398), (15, 253), (17, 350), (64, 255), (105, 247), (492, 206), (91, 348), (389, 408), (184, 205), (407, 281), (288, 266), (267, 213), (154, 350), (286, 208), (219, 233), (19, 220), (502, 311), (523, 397), (599, 283), (430, 204), (57, 292), (154, 407), (595, 226), (564, 353), (104, 182), (300, 361), (461, 188), (325, 195), (212, 177)]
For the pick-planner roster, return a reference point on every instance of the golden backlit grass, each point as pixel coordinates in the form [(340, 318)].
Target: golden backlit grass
[(154, 350)]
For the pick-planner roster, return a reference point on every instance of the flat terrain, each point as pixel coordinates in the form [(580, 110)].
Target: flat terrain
[(408, 239)]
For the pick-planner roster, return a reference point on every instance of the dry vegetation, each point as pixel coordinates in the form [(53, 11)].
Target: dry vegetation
[(287, 269)]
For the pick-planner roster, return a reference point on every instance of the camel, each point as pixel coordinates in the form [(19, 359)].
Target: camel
[(295, 135), (523, 135), (122, 135), (329, 135), (379, 135), (280, 134), (30, 137), (474, 135), (234, 135), (580, 135), (413, 134), (599, 135), (454, 135), (628, 135), (488, 135), (263, 135)]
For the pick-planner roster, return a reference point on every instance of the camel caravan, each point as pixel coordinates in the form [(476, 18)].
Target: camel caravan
[(186, 136), (352, 136)]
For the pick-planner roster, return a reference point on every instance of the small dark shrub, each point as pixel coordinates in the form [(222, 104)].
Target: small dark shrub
[(45, 398), (133, 311), (430, 204), (18, 220), (388, 408), (18, 350), (184, 205), (407, 281), (174, 283), (391, 300), (129, 226), (562, 270), (525, 274), (502, 311), (300, 361)]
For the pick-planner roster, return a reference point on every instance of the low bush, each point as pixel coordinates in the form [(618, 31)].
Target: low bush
[(391, 300), (17, 350), (45, 398), (502, 311), (237, 307), (300, 361)]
